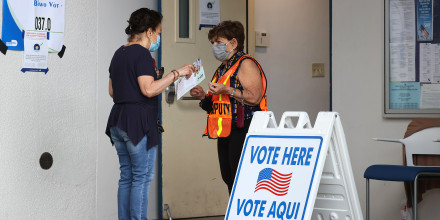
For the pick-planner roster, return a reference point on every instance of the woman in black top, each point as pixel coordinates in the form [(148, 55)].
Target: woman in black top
[(132, 124)]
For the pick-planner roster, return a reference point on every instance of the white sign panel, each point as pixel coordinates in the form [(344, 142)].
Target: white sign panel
[(278, 178), (33, 15), (280, 170)]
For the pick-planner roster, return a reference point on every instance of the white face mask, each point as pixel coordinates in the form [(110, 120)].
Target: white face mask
[(219, 51)]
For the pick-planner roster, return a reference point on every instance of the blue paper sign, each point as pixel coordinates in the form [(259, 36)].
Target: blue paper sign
[(425, 27), (405, 95)]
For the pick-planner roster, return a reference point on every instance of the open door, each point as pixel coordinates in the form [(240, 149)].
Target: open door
[(192, 184)]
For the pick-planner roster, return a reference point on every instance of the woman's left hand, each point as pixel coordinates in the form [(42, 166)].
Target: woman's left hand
[(197, 92), (218, 88)]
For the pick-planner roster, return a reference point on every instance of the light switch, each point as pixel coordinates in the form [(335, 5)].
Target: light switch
[(318, 70)]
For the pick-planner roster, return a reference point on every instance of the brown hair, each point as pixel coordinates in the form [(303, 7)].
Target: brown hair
[(141, 20), (229, 30)]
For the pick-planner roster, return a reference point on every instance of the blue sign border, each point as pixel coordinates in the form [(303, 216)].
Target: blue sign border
[(271, 136), (10, 29)]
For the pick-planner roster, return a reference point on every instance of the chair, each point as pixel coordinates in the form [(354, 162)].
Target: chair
[(420, 143)]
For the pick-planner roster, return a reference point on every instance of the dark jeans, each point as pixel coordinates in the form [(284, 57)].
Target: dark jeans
[(229, 152)]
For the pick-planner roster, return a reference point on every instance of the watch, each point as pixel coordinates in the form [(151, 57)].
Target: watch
[(232, 94)]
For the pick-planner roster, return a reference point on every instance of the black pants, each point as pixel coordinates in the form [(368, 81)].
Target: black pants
[(229, 152)]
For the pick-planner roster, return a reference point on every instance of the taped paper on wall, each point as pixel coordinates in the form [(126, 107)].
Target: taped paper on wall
[(35, 52), (33, 15)]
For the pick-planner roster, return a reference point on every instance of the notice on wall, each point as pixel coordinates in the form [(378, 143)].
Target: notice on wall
[(402, 41), (404, 95), (425, 27), (209, 13), (402, 62), (429, 63), (35, 52), (402, 21), (33, 15), (430, 96)]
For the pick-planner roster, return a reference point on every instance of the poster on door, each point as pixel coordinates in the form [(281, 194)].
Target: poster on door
[(20, 16), (209, 13)]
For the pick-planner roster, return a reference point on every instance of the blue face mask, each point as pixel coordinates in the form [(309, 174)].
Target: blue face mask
[(155, 46)]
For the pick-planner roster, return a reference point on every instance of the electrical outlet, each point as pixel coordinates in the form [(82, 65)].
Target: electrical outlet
[(318, 70)]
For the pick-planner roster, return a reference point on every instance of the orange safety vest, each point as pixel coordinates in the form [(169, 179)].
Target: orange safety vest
[(220, 119)]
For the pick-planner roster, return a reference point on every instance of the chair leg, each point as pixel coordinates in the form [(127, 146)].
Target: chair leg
[(415, 199), (368, 199), (411, 190)]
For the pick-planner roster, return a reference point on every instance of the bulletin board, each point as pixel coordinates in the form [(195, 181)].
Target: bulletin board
[(412, 59)]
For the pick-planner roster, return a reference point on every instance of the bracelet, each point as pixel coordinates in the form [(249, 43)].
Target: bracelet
[(178, 74), (174, 75)]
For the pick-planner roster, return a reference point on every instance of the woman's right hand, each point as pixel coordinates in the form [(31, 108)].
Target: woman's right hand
[(186, 70), (197, 92)]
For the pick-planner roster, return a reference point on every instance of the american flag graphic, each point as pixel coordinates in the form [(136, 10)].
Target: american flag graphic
[(273, 181), (424, 31)]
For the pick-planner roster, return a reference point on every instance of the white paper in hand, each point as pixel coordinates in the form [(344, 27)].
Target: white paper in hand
[(183, 85)]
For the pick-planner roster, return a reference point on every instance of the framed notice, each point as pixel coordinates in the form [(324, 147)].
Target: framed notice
[(412, 59)]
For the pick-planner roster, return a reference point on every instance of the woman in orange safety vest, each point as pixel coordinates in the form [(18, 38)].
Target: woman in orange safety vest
[(236, 91)]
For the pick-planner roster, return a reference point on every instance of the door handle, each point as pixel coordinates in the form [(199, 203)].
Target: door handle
[(189, 98), (170, 93)]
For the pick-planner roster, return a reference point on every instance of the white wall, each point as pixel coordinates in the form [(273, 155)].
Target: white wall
[(112, 21), (358, 70), (64, 113), (299, 36), (53, 113)]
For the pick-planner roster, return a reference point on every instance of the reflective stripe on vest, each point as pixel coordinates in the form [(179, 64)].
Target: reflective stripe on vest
[(220, 119)]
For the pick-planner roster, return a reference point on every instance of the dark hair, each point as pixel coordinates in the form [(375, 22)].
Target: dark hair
[(141, 20), (229, 30)]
